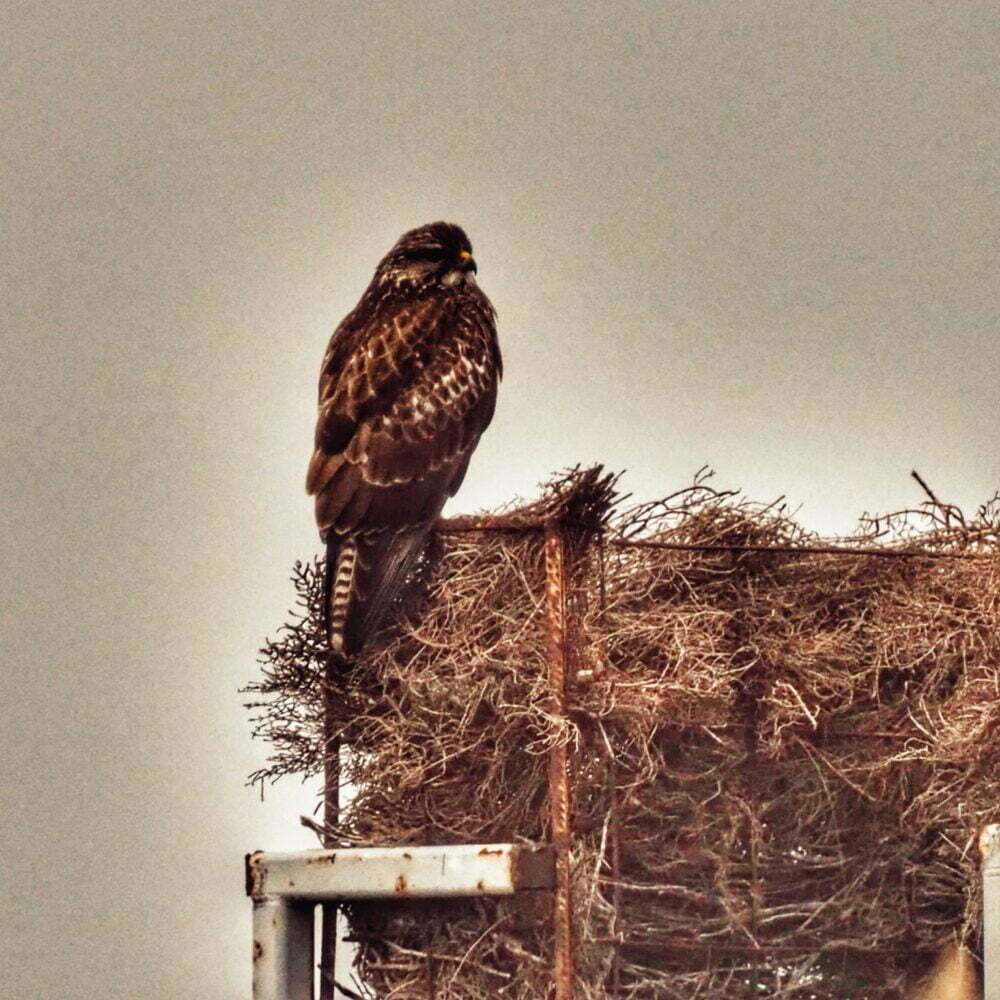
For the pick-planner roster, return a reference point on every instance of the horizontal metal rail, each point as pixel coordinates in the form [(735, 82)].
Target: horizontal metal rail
[(516, 524), (391, 872), (285, 887)]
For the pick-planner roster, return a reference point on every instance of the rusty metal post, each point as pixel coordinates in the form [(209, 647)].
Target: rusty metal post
[(614, 827), (285, 886), (559, 792), (331, 816)]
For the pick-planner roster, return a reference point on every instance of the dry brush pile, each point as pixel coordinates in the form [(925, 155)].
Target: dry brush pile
[(780, 760)]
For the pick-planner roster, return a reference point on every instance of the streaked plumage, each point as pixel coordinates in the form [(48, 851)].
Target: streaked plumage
[(408, 385)]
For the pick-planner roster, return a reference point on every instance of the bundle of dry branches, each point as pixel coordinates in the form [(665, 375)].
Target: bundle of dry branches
[(780, 758)]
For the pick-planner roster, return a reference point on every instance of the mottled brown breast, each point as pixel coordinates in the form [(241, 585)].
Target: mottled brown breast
[(408, 385)]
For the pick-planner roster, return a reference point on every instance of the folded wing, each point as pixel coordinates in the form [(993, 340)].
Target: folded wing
[(403, 402)]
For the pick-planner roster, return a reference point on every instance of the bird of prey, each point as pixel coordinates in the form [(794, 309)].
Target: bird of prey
[(408, 385)]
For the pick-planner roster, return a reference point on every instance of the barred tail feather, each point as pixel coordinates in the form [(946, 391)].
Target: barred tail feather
[(364, 576), (341, 566)]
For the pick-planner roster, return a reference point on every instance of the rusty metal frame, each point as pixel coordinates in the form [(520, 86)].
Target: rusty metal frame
[(559, 791), (520, 524), (331, 815), (285, 888)]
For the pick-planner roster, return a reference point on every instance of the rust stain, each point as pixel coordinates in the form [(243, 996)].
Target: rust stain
[(252, 873), (401, 884), (481, 886), (322, 859), (407, 855), (532, 868), (558, 655), (258, 951), (486, 852)]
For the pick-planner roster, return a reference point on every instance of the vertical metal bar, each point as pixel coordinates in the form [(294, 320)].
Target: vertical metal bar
[(601, 659), (749, 703), (616, 873), (556, 614), (755, 892), (614, 830), (331, 816), (989, 846), (282, 950)]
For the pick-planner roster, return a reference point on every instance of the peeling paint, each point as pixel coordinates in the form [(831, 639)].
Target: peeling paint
[(322, 859), (253, 878)]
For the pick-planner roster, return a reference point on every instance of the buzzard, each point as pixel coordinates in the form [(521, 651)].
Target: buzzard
[(408, 385)]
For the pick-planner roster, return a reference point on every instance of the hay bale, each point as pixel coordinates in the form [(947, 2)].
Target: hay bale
[(788, 752)]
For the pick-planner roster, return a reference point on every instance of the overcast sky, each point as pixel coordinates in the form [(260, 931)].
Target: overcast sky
[(757, 235)]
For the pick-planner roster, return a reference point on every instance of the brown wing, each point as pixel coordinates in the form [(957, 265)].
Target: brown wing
[(403, 402), (405, 394)]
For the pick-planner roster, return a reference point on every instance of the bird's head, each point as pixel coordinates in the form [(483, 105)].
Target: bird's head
[(436, 254)]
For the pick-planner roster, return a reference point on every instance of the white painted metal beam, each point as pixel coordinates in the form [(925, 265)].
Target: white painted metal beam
[(400, 872), (989, 846), (286, 886), (282, 949)]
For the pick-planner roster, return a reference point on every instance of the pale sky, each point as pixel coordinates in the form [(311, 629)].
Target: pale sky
[(756, 235)]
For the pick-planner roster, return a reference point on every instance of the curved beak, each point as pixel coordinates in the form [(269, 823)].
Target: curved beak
[(466, 262)]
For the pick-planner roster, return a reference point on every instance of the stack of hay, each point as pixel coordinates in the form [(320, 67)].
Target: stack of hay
[(780, 760)]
